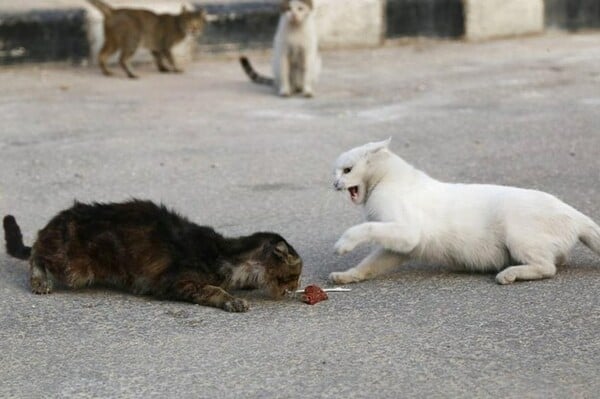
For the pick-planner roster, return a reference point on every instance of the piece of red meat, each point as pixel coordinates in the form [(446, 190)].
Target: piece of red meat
[(313, 294)]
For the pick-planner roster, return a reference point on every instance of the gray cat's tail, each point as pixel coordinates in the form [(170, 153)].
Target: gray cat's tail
[(590, 235), (14, 239), (253, 75), (102, 6)]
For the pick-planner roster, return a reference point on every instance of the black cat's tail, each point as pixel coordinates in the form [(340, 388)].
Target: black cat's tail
[(253, 75), (102, 6), (14, 239)]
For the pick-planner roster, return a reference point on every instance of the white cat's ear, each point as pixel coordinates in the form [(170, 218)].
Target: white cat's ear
[(379, 145)]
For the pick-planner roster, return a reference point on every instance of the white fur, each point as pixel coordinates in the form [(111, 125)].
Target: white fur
[(249, 274), (475, 226), (296, 61)]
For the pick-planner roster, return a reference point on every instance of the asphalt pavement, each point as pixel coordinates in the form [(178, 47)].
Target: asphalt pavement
[(233, 155)]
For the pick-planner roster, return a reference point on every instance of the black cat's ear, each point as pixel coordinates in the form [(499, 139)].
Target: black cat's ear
[(281, 250), (183, 9), (285, 5)]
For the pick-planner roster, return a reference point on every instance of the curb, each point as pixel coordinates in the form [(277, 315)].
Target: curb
[(74, 34), (429, 18), (572, 15), (239, 26), (38, 36)]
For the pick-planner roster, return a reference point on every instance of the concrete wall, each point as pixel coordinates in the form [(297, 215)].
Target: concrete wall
[(572, 15), (74, 32), (486, 19), (349, 23), (431, 18)]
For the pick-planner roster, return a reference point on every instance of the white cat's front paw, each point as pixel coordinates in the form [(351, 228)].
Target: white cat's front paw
[(285, 92), (346, 277), (308, 92), (344, 245), (506, 276)]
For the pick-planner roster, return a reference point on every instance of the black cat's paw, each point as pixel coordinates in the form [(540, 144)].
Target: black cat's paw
[(40, 286), (236, 305)]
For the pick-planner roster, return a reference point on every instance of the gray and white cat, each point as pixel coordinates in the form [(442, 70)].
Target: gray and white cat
[(296, 61)]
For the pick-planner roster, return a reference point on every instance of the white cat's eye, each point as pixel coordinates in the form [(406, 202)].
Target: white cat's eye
[(347, 170)]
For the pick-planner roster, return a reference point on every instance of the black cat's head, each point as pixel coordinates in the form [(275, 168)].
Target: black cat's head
[(282, 265)]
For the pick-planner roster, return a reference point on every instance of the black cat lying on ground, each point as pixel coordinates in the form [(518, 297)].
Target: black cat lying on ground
[(145, 248)]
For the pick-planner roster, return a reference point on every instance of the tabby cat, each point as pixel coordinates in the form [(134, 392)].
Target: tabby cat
[(126, 28), (148, 249), (296, 61)]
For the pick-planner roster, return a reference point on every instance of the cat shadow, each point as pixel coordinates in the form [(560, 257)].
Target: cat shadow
[(418, 273), (14, 273)]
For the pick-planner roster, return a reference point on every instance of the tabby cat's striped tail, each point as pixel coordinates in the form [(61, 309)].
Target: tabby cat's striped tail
[(102, 6), (14, 239), (253, 75)]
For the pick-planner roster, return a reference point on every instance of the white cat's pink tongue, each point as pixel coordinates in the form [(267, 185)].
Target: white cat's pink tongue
[(353, 192)]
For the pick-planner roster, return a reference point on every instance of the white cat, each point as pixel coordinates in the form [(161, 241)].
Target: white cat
[(296, 61), (478, 227)]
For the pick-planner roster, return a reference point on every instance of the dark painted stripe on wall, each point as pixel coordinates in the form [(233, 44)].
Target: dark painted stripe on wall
[(240, 26), (432, 18), (572, 14), (54, 35)]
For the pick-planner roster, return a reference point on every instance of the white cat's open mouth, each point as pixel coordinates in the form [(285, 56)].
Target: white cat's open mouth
[(353, 193)]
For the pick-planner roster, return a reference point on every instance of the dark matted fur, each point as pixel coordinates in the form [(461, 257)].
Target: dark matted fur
[(145, 248)]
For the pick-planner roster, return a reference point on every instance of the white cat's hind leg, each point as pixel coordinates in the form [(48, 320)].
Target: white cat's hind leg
[(538, 263), (538, 246), (526, 272), (379, 262)]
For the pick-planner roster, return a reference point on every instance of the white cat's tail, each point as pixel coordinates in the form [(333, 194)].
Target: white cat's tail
[(102, 6), (590, 235), (253, 75)]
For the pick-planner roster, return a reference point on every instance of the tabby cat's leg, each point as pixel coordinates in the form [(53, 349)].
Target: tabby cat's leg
[(124, 62), (128, 47), (38, 278), (192, 290), (108, 49), (159, 61), (167, 53)]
